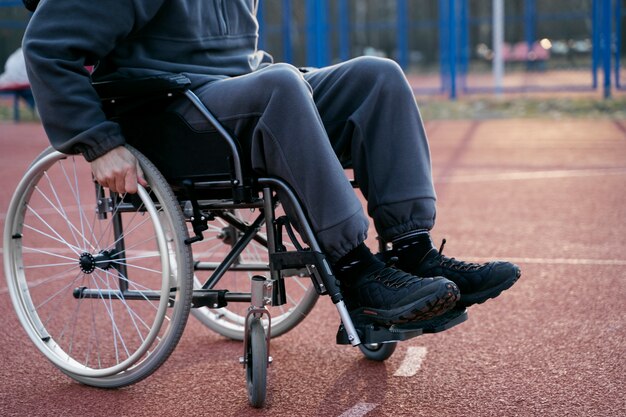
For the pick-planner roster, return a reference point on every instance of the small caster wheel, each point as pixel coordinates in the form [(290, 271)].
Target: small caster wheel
[(378, 351), (256, 368)]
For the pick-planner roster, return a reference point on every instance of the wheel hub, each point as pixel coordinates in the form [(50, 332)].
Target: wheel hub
[(89, 262), (228, 235)]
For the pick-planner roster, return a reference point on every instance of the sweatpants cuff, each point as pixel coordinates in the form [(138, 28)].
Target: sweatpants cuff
[(340, 239), (395, 219)]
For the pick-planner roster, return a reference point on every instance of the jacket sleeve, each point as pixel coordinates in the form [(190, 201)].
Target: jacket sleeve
[(62, 37)]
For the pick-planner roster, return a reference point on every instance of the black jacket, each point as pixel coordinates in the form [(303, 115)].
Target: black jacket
[(203, 39)]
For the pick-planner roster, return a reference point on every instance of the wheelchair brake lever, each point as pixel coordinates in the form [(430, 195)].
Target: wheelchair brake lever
[(198, 219)]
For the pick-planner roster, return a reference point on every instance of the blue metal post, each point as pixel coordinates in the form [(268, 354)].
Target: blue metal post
[(618, 41), (317, 33), (452, 47), (530, 27), (324, 33), (344, 30), (311, 40), (606, 43), (595, 39), (402, 33), (465, 43), (260, 17), (286, 31), (16, 107), (443, 45)]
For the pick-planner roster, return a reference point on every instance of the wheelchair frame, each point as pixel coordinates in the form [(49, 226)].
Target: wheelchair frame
[(376, 342)]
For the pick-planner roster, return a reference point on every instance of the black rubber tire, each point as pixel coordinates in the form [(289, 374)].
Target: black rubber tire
[(256, 369), (378, 352)]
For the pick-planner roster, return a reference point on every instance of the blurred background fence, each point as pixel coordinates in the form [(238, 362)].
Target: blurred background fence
[(447, 47)]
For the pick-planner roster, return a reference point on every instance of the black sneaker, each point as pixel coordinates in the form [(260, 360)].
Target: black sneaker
[(477, 282), (387, 296)]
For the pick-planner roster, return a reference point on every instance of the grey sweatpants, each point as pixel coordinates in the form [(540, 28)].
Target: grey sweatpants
[(303, 127)]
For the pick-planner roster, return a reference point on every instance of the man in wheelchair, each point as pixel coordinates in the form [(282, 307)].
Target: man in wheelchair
[(301, 126)]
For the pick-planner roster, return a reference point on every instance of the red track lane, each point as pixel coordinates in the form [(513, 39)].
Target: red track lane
[(549, 195)]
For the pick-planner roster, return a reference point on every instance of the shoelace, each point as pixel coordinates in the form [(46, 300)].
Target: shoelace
[(395, 278), (452, 263)]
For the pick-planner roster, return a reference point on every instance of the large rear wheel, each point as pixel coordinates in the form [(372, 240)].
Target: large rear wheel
[(101, 282)]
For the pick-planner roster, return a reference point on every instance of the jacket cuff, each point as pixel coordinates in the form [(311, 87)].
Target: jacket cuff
[(95, 142)]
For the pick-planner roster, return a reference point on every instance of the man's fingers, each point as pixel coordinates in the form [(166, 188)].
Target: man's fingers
[(141, 179), (118, 170), (103, 183), (120, 184), (130, 183)]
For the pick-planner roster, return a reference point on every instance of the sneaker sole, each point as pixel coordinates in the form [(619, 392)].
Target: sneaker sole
[(442, 300), (482, 296)]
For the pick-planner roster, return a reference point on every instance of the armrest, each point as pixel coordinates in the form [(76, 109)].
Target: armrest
[(143, 87)]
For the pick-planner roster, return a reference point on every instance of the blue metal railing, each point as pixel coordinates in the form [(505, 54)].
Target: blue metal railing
[(328, 29), (453, 29)]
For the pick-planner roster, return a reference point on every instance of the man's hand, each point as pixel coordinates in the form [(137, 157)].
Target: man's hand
[(118, 170)]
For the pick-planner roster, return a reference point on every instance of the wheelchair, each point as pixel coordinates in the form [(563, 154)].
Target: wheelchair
[(103, 283)]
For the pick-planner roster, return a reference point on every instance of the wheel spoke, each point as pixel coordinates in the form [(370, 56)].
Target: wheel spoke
[(74, 248), (59, 210), (62, 290), (51, 228), (74, 189), (132, 314)]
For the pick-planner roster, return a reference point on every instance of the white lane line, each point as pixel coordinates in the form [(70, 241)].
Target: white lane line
[(412, 361), (359, 410), (540, 261), (555, 261), (532, 175)]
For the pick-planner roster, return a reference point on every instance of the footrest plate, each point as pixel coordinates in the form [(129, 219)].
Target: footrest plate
[(373, 333)]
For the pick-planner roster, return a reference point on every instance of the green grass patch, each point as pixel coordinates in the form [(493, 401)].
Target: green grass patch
[(6, 111), (506, 108), (467, 108)]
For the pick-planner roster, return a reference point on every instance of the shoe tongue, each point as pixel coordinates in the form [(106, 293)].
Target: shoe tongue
[(366, 272), (374, 267), (357, 263), (412, 253)]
